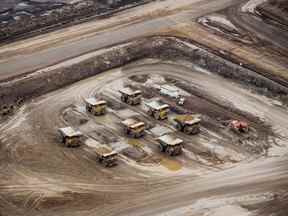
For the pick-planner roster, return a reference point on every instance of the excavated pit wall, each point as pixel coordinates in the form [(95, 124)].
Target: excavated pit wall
[(14, 92), (62, 16)]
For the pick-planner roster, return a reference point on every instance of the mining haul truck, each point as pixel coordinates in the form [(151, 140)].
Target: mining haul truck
[(133, 127), (172, 92), (170, 144), (96, 107), (157, 110), (189, 124), (106, 156), (131, 97), (70, 137)]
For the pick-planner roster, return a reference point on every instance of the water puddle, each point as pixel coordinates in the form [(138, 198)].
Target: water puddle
[(107, 119), (171, 164), (135, 142)]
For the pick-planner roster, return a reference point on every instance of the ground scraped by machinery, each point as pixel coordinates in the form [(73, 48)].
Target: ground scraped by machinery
[(150, 135), (133, 144)]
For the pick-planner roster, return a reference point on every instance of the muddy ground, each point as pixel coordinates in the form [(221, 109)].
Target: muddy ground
[(258, 24), (219, 173), (40, 176), (166, 48), (274, 11)]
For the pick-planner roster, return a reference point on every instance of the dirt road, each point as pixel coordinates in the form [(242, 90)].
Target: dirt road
[(31, 54), (245, 180), (253, 23), (39, 177)]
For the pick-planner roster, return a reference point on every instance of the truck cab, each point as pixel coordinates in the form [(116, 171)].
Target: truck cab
[(170, 144), (130, 96), (96, 107), (133, 127), (189, 124), (106, 156), (70, 137), (158, 110)]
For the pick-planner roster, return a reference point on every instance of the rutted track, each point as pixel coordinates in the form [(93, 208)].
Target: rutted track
[(55, 164)]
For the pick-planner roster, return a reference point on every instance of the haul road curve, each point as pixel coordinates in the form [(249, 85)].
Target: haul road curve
[(40, 177), (42, 51), (219, 172)]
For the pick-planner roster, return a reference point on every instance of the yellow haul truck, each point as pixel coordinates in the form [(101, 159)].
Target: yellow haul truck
[(133, 127), (106, 156), (170, 144), (189, 124), (70, 137), (96, 107), (158, 110), (130, 96)]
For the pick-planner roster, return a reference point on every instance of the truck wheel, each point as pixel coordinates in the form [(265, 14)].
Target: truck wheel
[(161, 148), (244, 130), (157, 116), (195, 130), (126, 131), (179, 127), (130, 102), (179, 150), (105, 163), (150, 113), (171, 151), (188, 130)]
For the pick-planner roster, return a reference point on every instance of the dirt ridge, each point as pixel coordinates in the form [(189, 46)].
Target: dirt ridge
[(14, 92)]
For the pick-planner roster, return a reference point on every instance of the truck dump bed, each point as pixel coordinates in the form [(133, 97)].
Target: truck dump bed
[(69, 132), (170, 140), (129, 91), (104, 151), (100, 149), (132, 123), (188, 119), (156, 105), (94, 102)]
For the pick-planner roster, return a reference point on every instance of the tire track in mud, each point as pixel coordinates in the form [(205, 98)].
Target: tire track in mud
[(93, 91), (172, 70), (166, 124), (76, 155), (254, 24), (235, 148), (8, 206), (185, 72), (48, 113), (33, 200), (258, 178)]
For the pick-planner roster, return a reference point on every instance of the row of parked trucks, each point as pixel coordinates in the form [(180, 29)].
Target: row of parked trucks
[(73, 138), (168, 143)]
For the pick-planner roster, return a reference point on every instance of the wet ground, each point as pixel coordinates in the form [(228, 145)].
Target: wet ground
[(40, 175), (252, 23), (128, 25), (219, 173)]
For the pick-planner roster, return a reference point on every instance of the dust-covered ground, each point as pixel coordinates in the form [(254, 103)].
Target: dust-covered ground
[(22, 18), (219, 172), (257, 23)]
